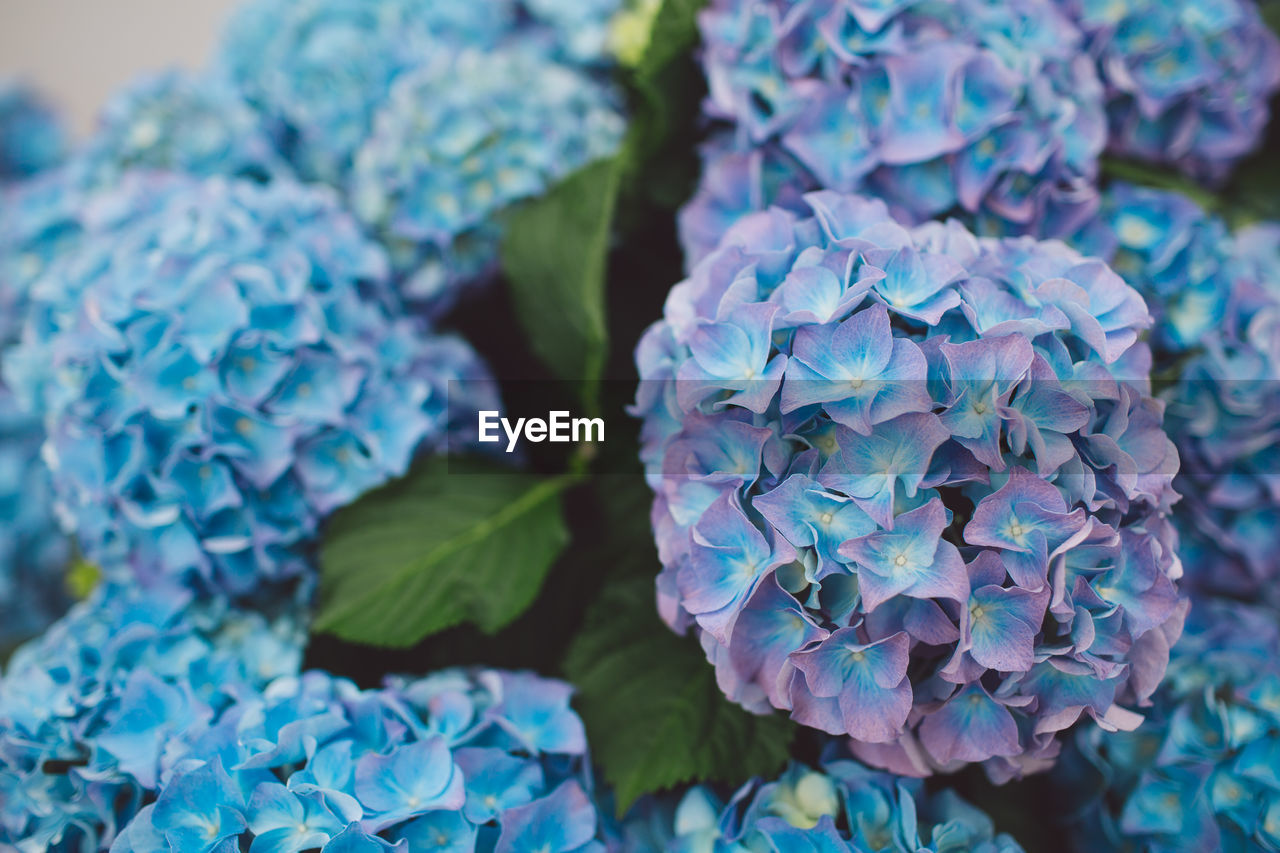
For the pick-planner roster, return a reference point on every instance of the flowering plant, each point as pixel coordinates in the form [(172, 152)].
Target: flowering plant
[(910, 486), (964, 401)]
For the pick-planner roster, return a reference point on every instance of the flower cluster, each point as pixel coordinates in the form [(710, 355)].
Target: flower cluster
[(989, 109), (576, 31), (178, 122), (910, 486), (33, 554), (458, 140), (319, 70), (31, 136), (1216, 298), (92, 710), (220, 368), (1201, 774), (843, 807), (39, 219), (433, 117), (1187, 83), (459, 760)]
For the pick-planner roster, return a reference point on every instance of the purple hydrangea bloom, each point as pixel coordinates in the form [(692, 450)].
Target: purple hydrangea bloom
[(223, 371), (1201, 774), (1187, 83), (1216, 300), (975, 107), (462, 137), (842, 807), (180, 122), (91, 712), (911, 486), (32, 138), (445, 762)]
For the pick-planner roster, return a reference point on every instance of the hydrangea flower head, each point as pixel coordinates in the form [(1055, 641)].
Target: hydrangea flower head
[(221, 373), (92, 711), (980, 108), (33, 552), (181, 122), (1216, 298), (459, 139), (1200, 775), (842, 807), (319, 70), (459, 760), (579, 30), (910, 485), (1187, 83), (32, 138)]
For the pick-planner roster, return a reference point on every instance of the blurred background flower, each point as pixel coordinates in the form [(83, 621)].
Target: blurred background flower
[(977, 109), (1200, 775), (1187, 84), (32, 137)]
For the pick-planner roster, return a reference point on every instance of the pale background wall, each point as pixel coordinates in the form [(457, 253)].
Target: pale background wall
[(78, 51)]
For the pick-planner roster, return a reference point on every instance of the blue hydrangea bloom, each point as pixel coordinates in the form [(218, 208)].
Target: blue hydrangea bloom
[(1201, 775), (842, 808), (975, 107), (1187, 83), (33, 553), (579, 30), (461, 760), (221, 373), (91, 712), (39, 219), (460, 138), (173, 122), (32, 138), (182, 122), (1216, 299), (319, 70), (911, 486)]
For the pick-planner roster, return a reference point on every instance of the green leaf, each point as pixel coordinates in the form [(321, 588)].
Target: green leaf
[(1271, 15), (654, 714), (673, 34), (554, 257), (667, 87), (454, 541)]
